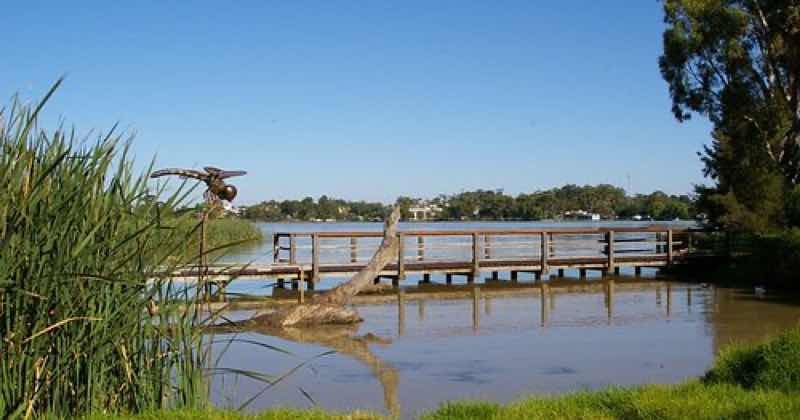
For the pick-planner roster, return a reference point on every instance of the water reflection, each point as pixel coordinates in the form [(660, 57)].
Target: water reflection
[(343, 340), (604, 331)]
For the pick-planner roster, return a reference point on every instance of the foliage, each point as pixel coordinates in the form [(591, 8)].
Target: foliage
[(773, 365), (737, 63), (690, 400), (323, 209), (211, 414), (222, 234), (767, 260), (79, 233), (606, 200)]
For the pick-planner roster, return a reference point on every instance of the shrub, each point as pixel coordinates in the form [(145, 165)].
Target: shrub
[(773, 365)]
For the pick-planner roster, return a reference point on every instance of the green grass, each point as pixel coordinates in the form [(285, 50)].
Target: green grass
[(691, 400), (772, 365), (232, 230), (211, 414)]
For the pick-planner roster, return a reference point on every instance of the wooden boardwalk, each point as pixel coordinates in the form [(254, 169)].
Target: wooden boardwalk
[(312, 256)]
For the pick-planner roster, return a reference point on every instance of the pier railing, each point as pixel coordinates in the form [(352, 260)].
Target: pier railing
[(472, 251)]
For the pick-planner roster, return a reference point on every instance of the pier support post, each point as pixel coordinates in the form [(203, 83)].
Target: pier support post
[(495, 276), (545, 250), (582, 273), (401, 267), (637, 271), (616, 270), (669, 247), (610, 250), (448, 278), (426, 278), (314, 258), (537, 275), (281, 284), (292, 250), (476, 258), (514, 275), (396, 282), (560, 272)]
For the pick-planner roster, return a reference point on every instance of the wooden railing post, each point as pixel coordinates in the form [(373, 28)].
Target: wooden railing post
[(545, 249), (314, 258), (476, 263), (275, 247), (353, 249), (292, 250), (401, 268), (487, 247), (420, 248), (669, 247), (610, 244)]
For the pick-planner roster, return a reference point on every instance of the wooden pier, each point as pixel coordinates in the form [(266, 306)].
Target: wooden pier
[(312, 256)]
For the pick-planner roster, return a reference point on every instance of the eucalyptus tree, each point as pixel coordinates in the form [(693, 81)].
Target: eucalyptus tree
[(737, 63)]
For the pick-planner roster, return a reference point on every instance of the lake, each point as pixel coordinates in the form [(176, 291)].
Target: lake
[(512, 344)]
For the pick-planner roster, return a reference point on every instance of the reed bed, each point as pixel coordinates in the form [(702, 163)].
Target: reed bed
[(82, 327)]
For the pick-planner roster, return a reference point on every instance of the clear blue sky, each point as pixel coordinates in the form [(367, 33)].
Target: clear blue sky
[(367, 100)]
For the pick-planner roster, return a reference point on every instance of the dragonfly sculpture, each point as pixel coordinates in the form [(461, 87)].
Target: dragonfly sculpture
[(214, 179)]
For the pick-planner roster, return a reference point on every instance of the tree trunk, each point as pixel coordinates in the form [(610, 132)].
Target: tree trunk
[(330, 307)]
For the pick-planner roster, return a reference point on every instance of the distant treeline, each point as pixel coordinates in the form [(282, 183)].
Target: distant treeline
[(606, 200)]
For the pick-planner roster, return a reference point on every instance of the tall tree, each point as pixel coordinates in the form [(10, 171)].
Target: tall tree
[(737, 62)]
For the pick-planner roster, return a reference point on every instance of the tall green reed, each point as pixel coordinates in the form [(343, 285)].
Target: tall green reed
[(84, 324)]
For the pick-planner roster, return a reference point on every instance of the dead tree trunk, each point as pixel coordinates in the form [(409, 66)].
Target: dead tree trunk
[(330, 307)]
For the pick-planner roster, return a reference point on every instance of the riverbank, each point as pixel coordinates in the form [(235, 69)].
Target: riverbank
[(747, 381), (692, 400)]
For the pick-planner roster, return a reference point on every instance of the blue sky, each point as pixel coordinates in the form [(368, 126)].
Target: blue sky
[(367, 100)]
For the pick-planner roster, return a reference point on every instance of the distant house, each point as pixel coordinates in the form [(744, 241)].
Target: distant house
[(231, 209), (423, 211), (580, 215)]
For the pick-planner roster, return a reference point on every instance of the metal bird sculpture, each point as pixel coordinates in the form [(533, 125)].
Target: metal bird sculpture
[(214, 178)]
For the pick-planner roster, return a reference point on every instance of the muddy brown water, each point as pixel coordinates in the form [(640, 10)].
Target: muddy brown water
[(506, 348)]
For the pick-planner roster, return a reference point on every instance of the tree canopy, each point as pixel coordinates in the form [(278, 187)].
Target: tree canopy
[(737, 62), (606, 200)]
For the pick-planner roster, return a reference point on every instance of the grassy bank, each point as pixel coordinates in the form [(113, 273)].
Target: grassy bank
[(746, 382), (224, 234)]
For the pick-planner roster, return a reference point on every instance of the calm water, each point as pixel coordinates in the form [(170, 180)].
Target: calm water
[(436, 351)]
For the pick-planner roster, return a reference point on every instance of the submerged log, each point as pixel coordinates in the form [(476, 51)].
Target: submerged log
[(330, 307)]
